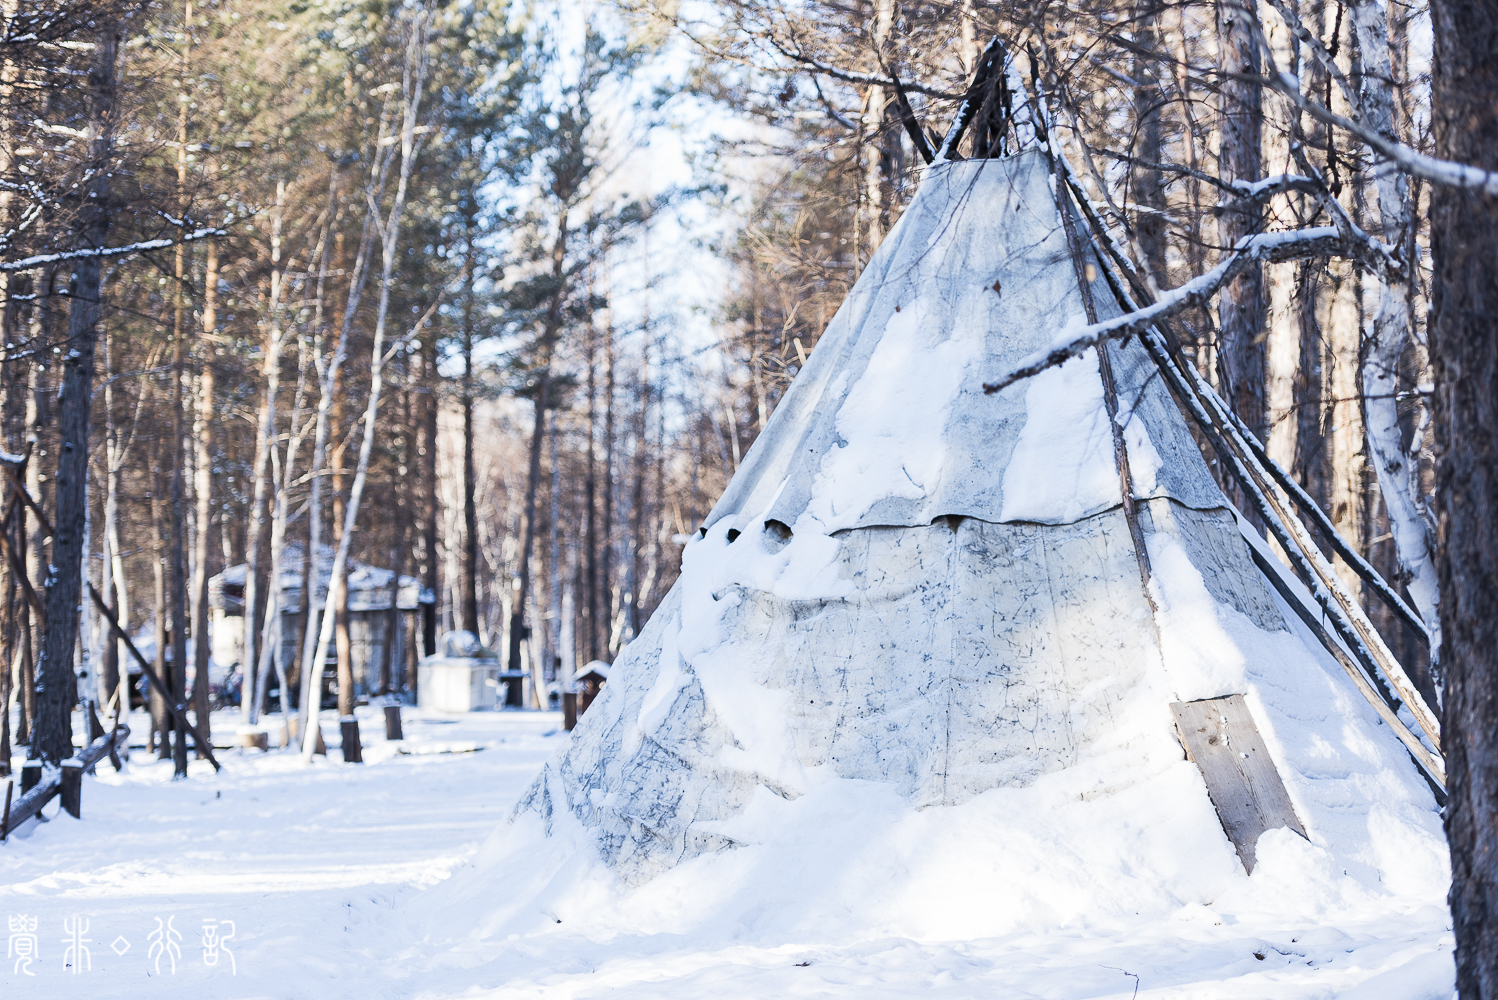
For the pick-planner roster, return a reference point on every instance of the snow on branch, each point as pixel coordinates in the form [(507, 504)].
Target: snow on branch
[(1321, 241), (1234, 191), (1268, 187), (42, 260), (1430, 168)]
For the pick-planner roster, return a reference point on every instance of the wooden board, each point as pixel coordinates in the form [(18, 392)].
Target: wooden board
[(1220, 738)]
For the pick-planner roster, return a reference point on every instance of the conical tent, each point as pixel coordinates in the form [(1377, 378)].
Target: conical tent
[(919, 608)]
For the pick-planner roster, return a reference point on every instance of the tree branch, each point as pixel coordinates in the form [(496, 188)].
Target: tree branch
[(1322, 241), (42, 260)]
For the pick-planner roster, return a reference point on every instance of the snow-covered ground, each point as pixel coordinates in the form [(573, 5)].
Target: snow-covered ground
[(321, 871)]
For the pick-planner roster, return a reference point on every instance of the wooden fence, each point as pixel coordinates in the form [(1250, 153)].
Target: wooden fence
[(38, 786)]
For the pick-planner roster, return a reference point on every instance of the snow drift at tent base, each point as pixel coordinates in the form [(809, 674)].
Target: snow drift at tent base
[(909, 684)]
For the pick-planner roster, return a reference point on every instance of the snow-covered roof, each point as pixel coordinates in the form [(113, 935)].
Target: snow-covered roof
[(369, 586)]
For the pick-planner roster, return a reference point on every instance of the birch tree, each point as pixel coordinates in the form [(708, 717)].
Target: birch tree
[(412, 82)]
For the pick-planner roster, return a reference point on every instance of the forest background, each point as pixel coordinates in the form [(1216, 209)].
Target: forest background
[(405, 280)]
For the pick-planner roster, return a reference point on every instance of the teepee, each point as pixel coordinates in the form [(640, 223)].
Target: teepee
[(917, 604)]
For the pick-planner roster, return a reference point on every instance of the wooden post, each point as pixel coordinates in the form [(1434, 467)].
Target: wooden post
[(31, 773), (569, 710), (393, 729), (178, 707), (353, 752), (72, 788)]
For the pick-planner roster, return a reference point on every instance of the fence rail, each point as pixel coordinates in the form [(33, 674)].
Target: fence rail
[(38, 786)]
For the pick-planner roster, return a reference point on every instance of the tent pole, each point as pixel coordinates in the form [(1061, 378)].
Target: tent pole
[(1296, 544), (1110, 393), (1286, 482)]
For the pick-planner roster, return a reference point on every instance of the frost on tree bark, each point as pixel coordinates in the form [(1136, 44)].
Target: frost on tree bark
[(55, 685), (1464, 354)]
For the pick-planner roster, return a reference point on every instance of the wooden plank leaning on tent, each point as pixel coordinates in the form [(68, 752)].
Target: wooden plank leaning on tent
[(1222, 740)]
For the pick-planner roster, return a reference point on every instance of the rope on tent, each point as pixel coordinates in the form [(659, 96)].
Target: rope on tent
[(1308, 562)]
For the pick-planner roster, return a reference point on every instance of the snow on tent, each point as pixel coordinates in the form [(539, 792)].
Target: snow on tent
[(912, 680)]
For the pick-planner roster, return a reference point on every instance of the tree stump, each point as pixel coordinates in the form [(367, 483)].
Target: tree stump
[(353, 752)]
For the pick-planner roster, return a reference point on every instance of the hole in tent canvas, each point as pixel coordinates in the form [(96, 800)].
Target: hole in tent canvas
[(777, 535)]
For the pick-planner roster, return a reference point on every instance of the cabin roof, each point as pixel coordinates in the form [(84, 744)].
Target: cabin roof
[(369, 586)]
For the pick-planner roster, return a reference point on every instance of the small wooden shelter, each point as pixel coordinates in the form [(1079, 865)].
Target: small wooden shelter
[(381, 612)]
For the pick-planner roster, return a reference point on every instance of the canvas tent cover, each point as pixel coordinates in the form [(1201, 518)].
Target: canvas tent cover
[(911, 653)]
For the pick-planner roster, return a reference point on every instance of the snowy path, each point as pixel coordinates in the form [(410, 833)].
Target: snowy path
[(300, 859), (310, 865)]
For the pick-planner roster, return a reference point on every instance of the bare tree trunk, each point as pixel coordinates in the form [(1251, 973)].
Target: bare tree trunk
[(176, 539), (1464, 354), (204, 495), (1388, 337), (32, 535), (548, 664), (469, 566), (56, 687), (108, 674), (388, 662), (1347, 446), (114, 586), (12, 428), (177, 501), (273, 634), (879, 168), (311, 670), (428, 477), (590, 512), (1149, 185), (265, 429), (1242, 355), (412, 83), (161, 725), (637, 494), (342, 644), (553, 325), (606, 555), (117, 593)]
